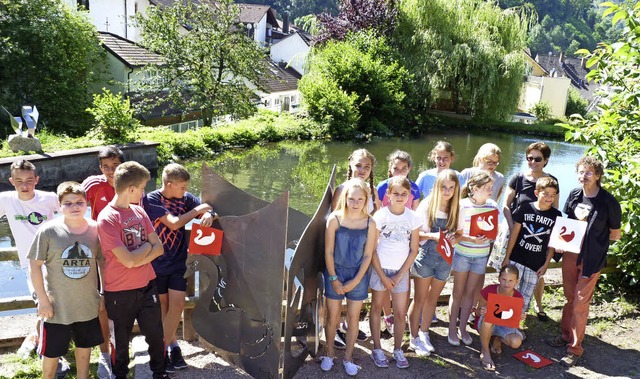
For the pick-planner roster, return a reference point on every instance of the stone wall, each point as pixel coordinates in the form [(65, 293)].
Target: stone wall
[(55, 168)]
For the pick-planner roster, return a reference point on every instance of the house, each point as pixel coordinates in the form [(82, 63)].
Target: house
[(260, 21), (114, 16), (292, 50), (279, 88), (544, 85)]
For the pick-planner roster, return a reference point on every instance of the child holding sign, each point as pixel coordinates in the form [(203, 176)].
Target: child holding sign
[(439, 212), (528, 248), (170, 208), (512, 337)]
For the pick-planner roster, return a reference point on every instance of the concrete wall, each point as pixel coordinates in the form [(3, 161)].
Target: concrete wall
[(555, 91), (55, 168)]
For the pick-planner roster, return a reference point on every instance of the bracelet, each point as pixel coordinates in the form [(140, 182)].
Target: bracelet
[(213, 214), (333, 278)]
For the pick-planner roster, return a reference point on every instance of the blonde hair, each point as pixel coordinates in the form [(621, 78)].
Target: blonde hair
[(476, 181), (129, 174), (398, 155), (441, 145), (174, 172), (398, 181), (363, 153), (484, 151), (70, 187), (436, 195), (351, 184)]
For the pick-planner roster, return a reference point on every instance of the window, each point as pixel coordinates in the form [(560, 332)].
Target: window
[(276, 101), (83, 4), (294, 99), (267, 103)]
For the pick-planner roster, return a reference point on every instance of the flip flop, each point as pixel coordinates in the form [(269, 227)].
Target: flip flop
[(488, 366), (542, 316)]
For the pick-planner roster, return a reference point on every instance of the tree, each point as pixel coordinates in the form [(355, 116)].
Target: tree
[(48, 55), (357, 15), (356, 87), (467, 52), (614, 134), (209, 67)]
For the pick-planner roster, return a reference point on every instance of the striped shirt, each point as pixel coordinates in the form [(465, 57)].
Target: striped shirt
[(468, 209)]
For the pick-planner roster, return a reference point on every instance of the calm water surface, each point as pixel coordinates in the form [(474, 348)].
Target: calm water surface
[(303, 168)]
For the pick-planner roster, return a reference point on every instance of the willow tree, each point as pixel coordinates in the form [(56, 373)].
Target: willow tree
[(467, 52)]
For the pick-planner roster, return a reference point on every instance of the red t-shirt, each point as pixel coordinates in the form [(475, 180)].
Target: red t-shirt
[(493, 288), (127, 228), (99, 193)]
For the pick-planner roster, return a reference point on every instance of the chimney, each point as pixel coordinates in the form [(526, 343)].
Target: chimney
[(561, 59), (285, 22), (583, 64)]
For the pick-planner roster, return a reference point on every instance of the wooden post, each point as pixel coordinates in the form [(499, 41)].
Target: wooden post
[(188, 333)]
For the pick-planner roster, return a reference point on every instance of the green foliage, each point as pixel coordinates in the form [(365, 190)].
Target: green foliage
[(113, 117), (356, 87), (576, 104), (542, 110), (47, 56), (614, 135), (207, 68), (466, 55)]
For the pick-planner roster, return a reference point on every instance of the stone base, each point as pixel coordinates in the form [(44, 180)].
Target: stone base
[(18, 143)]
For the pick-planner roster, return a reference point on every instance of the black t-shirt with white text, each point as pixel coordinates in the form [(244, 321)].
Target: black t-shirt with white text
[(530, 249)]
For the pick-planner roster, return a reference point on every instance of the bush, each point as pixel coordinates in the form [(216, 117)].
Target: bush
[(542, 110), (576, 104), (113, 115)]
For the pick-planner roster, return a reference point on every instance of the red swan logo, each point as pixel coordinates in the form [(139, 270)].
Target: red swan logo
[(567, 237)]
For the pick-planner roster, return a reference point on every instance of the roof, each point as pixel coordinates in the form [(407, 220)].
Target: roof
[(571, 68), (306, 37), (279, 78), (253, 13), (127, 51)]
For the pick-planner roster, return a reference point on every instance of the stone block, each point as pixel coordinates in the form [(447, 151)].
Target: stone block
[(19, 143)]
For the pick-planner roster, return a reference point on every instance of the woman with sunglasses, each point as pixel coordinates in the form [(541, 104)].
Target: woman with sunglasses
[(521, 190)]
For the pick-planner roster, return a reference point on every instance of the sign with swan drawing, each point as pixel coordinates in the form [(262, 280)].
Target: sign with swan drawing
[(444, 247), (504, 310), (205, 240), (484, 224), (567, 234), (532, 358)]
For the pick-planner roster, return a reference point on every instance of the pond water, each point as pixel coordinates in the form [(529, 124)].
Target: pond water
[(303, 168)]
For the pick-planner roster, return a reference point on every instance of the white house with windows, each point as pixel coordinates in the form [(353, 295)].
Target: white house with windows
[(292, 50), (279, 89), (114, 16)]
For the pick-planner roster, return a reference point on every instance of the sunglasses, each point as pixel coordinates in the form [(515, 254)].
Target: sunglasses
[(535, 159)]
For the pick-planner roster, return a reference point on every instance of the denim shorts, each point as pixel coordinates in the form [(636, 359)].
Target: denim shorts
[(344, 274), (376, 283), (463, 263), (499, 330), (429, 263)]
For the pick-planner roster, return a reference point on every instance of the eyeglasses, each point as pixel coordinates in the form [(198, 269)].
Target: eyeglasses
[(490, 163), (535, 159), (586, 174)]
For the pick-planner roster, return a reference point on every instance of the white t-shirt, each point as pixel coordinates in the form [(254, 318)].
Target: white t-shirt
[(395, 236), (25, 217)]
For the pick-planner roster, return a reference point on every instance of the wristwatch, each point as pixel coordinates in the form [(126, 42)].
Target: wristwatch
[(333, 278)]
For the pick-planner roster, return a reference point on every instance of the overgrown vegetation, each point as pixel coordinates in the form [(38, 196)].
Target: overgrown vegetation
[(614, 136), (113, 117), (542, 110)]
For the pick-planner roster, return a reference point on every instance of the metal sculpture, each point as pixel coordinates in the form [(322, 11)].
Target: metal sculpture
[(243, 290)]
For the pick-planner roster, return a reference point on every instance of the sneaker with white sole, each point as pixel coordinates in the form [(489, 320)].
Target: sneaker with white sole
[(340, 340), (104, 366), (426, 341), (388, 322), (379, 359), (28, 345), (418, 347), (326, 363), (400, 359), (351, 368)]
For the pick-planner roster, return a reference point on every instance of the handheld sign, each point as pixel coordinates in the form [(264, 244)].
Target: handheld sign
[(567, 234), (485, 224), (504, 310), (444, 248), (205, 240), (532, 359)]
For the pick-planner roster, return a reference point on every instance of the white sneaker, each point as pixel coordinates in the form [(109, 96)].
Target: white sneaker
[(104, 366), (420, 349), (426, 341), (388, 322), (351, 368), (28, 345), (326, 363)]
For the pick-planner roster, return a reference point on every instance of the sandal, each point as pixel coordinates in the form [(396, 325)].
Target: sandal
[(487, 365), (542, 316)]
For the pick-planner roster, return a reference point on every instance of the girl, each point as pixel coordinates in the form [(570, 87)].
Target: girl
[(443, 156), (430, 270), (471, 255), (512, 337), (349, 243), (361, 164), (487, 159), (399, 165), (398, 236)]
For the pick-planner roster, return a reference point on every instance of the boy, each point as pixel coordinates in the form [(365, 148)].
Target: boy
[(100, 192), (170, 208), (68, 298), (129, 244), (528, 245), (26, 209)]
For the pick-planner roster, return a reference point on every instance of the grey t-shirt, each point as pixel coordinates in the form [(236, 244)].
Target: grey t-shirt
[(70, 270)]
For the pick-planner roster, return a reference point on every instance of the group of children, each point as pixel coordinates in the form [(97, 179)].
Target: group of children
[(92, 278), (378, 240)]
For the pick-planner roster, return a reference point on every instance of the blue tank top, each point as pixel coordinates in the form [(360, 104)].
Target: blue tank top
[(430, 245), (348, 249)]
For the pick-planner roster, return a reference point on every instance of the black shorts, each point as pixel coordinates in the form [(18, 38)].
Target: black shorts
[(55, 338), (174, 281)]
